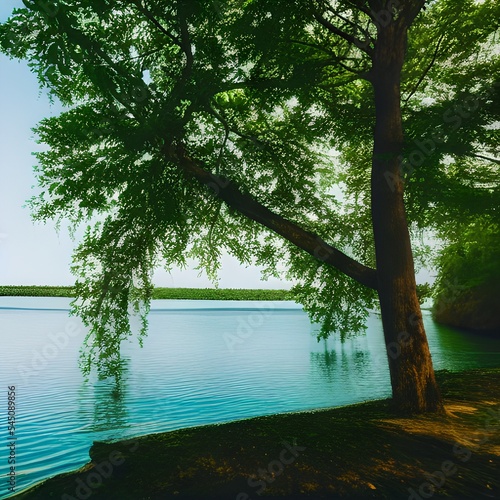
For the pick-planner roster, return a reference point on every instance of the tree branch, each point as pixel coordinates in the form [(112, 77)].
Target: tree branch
[(361, 8), (225, 190), (427, 69), (410, 11), (185, 42), (145, 54), (335, 58), (482, 157), (363, 46), (314, 46), (348, 21), (155, 21)]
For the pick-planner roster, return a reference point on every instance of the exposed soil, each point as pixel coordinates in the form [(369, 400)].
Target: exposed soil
[(358, 451)]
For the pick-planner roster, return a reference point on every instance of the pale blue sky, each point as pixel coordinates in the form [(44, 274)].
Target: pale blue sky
[(34, 253)]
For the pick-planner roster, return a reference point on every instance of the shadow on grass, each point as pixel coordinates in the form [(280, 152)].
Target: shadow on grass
[(358, 451)]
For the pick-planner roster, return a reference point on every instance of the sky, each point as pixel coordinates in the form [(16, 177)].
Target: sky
[(33, 253)]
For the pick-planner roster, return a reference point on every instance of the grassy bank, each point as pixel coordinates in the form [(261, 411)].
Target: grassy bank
[(358, 451), (170, 293), (36, 291), (158, 293)]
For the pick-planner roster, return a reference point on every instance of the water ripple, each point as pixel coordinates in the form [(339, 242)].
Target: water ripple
[(201, 364)]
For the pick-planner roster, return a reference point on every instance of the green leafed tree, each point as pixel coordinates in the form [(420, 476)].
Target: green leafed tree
[(315, 136), (468, 284)]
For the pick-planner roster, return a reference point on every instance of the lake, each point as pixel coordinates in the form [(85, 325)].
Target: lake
[(202, 362)]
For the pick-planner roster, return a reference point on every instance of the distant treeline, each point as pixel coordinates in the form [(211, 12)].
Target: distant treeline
[(36, 291), (158, 293)]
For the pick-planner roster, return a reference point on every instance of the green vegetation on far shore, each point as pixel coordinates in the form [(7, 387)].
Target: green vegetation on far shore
[(357, 451), (158, 293), (36, 291), (174, 293)]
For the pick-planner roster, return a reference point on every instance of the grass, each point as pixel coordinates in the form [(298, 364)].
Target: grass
[(220, 294), (36, 291), (158, 293), (357, 451), (161, 293)]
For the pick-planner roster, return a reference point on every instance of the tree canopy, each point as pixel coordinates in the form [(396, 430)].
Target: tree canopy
[(195, 127), (467, 289)]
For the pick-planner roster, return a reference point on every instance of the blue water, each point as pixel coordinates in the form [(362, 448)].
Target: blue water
[(202, 362)]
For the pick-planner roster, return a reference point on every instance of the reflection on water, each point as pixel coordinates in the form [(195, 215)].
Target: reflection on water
[(335, 366), (460, 350), (103, 402), (325, 362), (202, 362), (354, 369)]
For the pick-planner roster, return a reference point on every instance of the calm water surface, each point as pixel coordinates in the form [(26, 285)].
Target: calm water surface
[(202, 362)]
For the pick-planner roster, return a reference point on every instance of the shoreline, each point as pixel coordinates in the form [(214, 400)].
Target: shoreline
[(356, 451), (158, 293)]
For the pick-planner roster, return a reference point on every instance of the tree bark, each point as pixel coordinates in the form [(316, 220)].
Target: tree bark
[(229, 192), (413, 381), (414, 386)]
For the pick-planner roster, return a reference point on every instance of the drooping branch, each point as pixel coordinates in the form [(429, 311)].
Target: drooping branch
[(227, 191)]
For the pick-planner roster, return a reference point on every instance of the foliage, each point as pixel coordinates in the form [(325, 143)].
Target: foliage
[(220, 294), (424, 291), (36, 291), (214, 461), (471, 260), (260, 93), (157, 293)]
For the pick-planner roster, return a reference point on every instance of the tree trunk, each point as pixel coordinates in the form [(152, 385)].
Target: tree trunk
[(414, 386)]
